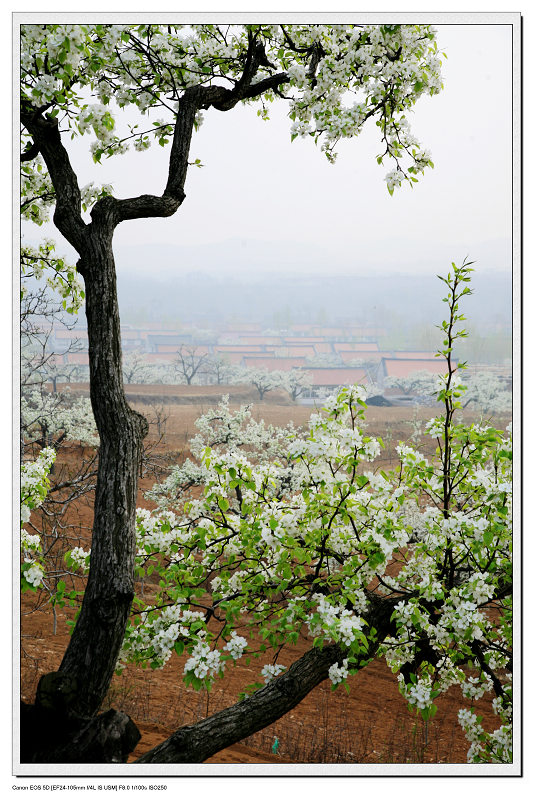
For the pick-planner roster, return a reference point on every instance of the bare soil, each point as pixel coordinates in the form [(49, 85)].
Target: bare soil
[(370, 725)]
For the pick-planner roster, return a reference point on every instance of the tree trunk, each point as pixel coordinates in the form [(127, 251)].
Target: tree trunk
[(93, 650), (52, 737), (50, 733), (91, 655)]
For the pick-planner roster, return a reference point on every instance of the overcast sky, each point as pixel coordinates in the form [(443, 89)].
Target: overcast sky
[(258, 191)]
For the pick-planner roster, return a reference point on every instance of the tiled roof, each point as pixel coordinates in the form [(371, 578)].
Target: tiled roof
[(305, 340), (267, 362), (70, 334), (419, 354), (340, 346), (336, 376), (295, 350), (243, 348), (365, 355), (401, 367), (251, 338), (157, 339), (195, 350), (235, 356), (76, 358)]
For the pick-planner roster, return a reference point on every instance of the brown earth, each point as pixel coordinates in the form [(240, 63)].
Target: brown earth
[(370, 725)]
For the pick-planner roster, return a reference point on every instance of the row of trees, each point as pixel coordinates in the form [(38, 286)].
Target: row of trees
[(193, 366), (484, 391)]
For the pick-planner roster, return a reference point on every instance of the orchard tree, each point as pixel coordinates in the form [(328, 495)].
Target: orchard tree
[(264, 380), (419, 383), (135, 368), (49, 288), (51, 294), (49, 419), (488, 392), (76, 79), (296, 382), (220, 370), (189, 361)]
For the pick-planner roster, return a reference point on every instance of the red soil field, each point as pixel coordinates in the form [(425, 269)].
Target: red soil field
[(370, 725)]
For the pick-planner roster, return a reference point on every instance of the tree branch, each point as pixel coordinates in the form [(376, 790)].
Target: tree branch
[(193, 744), (228, 98), (117, 211), (146, 205), (193, 99), (67, 214), (31, 153)]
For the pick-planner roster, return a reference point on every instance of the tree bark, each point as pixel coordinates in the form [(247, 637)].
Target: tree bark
[(94, 647)]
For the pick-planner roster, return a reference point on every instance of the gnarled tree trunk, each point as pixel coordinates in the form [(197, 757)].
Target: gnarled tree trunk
[(93, 650)]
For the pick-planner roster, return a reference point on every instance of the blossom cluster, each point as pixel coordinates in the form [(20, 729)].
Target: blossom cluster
[(486, 747), (54, 416), (336, 78), (418, 694), (338, 672), (78, 559), (34, 485), (156, 637), (339, 624), (270, 671), (42, 262), (203, 661), (91, 193)]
